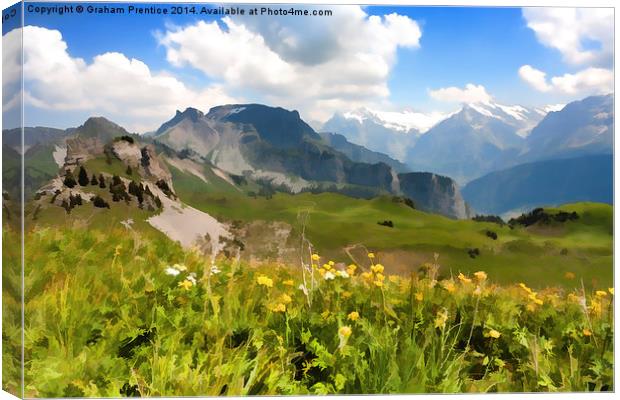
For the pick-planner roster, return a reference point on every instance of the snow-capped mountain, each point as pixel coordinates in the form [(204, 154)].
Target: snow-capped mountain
[(523, 119), (396, 132), (387, 132)]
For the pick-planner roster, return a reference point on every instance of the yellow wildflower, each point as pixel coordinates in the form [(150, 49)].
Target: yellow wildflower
[(285, 298), (264, 281), (524, 287), (345, 331), (327, 267), (596, 307), (379, 283), (279, 308), (315, 257), (288, 282), (346, 294), (449, 286), (186, 284), (586, 332), (441, 318), (573, 298), (325, 314), (322, 272), (377, 268), (481, 276), (366, 275), (463, 278), (353, 316), (493, 334), (380, 277), (331, 263), (371, 255), (569, 275), (611, 290), (351, 269), (601, 293), (419, 296)]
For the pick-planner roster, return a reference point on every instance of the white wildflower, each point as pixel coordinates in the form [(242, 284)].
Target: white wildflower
[(344, 274), (329, 275), (172, 271), (191, 277), (127, 223), (215, 269)]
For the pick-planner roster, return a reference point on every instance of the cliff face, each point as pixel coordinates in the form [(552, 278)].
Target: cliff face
[(434, 193)]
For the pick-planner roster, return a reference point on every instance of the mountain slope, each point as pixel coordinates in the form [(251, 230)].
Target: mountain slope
[(552, 182), (580, 128)]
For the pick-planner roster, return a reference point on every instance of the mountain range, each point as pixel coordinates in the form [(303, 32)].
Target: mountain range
[(486, 145), (484, 137), (269, 146)]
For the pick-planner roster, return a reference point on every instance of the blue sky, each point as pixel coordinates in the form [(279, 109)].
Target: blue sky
[(486, 47)]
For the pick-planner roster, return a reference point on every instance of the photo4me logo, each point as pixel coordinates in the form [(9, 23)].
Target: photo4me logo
[(172, 9)]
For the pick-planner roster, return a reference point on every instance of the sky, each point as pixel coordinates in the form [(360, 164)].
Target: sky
[(137, 70)]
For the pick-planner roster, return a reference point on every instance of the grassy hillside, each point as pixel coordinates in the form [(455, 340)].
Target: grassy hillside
[(112, 314), (541, 256)]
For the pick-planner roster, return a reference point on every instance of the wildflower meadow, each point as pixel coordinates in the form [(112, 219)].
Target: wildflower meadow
[(109, 315)]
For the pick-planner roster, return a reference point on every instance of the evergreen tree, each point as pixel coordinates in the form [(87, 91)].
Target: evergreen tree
[(94, 181), (83, 176), (69, 179), (129, 171), (101, 181)]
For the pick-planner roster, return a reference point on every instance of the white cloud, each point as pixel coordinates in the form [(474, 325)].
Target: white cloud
[(469, 94), (535, 78), (336, 62), (113, 85), (582, 35), (586, 82)]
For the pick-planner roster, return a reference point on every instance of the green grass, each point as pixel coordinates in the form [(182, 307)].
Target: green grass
[(104, 319), (519, 254)]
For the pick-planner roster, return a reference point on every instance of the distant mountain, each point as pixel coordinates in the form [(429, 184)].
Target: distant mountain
[(543, 183), (32, 136), (360, 153), (468, 144), (268, 143), (43, 155), (580, 128), (368, 129)]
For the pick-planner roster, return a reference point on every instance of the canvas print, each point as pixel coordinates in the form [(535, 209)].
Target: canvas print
[(268, 199)]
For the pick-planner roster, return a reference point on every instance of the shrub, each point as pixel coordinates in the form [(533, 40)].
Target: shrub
[(99, 202)]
